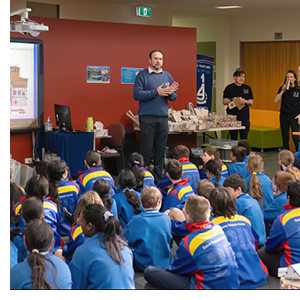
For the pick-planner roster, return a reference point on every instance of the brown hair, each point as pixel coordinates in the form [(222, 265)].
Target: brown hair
[(238, 72), (174, 169), (204, 188), (287, 158), (282, 180), (246, 144), (89, 197), (215, 167), (198, 208), (212, 151), (239, 152), (39, 237), (223, 202), (149, 196), (180, 151)]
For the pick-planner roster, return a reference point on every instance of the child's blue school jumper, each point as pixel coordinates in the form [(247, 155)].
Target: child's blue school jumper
[(20, 274), (239, 167), (149, 234), (124, 208), (249, 207), (266, 187), (275, 208), (93, 268), (252, 272)]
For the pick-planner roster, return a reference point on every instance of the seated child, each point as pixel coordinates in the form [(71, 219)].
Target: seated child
[(142, 175), (177, 217), (87, 178), (38, 186), (76, 237), (259, 185), (63, 192), (212, 153), (32, 209), (282, 247), (104, 261), (102, 188), (180, 188), (190, 170), (128, 200), (213, 170), (246, 144), (275, 208), (286, 160), (238, 164), (252, 272), (201, 257), (148, 231), (247, 206), (41, 270)]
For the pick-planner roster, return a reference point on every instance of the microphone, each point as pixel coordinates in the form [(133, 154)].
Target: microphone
[(288, 85)]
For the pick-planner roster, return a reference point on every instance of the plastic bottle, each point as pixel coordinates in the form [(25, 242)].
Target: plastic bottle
[(89, 124), (48, 125)]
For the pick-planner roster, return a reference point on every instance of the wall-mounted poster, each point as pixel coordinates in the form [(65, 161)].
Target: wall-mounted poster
[(128, 75), (98, 74)]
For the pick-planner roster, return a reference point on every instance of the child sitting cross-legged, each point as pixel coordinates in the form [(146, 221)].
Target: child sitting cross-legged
[(252, 272), (148, 231), (180, 188), (204, 258)]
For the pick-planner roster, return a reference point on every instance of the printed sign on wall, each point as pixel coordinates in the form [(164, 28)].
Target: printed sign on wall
[(204, 80)]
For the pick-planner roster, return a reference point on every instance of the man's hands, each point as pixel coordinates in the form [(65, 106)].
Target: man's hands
[(170, 89)]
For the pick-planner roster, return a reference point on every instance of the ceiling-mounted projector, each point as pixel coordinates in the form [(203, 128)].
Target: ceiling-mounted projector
[(25, 25)]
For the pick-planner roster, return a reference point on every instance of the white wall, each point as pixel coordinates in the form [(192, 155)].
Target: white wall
[(229, 32)]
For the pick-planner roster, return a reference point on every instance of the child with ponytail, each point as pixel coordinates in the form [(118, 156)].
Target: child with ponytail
[(142, 175), (280, 184), (259, 185), (104, 261), (286, 160), (76, 237), (127, 199), (213, 170), (63, 192), (87, 178), (41, 270)]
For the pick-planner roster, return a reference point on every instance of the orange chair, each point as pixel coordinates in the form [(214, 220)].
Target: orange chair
[(116, 131)]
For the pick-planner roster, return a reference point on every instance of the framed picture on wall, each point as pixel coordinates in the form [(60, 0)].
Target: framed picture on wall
[(98, 74)]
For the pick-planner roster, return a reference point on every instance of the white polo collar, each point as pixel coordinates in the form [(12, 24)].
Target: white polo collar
[(150, 70)]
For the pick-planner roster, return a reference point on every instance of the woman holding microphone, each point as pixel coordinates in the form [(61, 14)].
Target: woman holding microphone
[(289, 94)]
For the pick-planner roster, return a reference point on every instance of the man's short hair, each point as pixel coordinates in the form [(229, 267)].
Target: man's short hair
[(150, 54)]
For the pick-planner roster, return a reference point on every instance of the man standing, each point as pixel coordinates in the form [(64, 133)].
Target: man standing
[(153, 88)]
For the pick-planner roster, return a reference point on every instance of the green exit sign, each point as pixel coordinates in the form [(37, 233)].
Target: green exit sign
[(143, 11)]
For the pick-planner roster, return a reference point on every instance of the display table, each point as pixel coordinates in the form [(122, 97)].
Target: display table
[(71, 147)]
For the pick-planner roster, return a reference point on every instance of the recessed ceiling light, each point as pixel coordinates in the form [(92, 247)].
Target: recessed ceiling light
[(228, 7)]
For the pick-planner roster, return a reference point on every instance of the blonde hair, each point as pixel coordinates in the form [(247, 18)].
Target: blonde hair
[(255, 165), (287, 158), (89, 197), (282, 180), (150, 196)]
